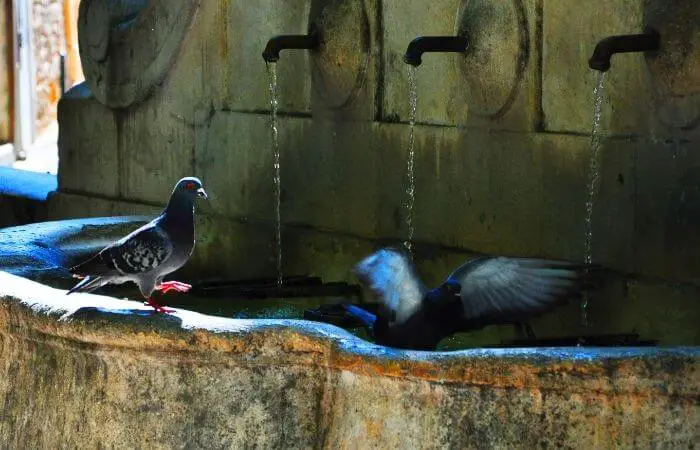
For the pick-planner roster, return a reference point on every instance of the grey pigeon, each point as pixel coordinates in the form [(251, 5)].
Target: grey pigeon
[(481, 292), (151, 252)]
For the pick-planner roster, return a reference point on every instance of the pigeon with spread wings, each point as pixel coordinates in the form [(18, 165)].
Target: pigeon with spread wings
[(484, 291), (148, 254)]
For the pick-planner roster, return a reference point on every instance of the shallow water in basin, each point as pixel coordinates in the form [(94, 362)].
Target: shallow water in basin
[(294, 308)]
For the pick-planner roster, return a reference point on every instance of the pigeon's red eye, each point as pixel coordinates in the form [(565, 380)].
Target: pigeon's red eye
[(189, 185)]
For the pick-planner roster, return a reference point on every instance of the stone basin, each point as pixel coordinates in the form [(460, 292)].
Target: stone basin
[(95, 371), (42, 252)]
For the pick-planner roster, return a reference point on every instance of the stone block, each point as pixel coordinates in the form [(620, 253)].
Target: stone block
[(569, 37), (76, 206), (344, 69), (88, 159), (329, 175), (613, 218), (127, 48), (371, 415), (249, 28), (155, 148), (506, 193), (441, 95), (197, 81), (494, 86), (233, 157), (327, 170), (667, 209), (655, 310), (220, 66), (644, 94)]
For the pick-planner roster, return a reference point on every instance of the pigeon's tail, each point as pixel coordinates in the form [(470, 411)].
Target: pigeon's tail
[(88, 284), (367, 318)]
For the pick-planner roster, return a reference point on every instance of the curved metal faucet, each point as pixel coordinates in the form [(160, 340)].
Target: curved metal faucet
[(649, 41), (422, 44), (309, 41)]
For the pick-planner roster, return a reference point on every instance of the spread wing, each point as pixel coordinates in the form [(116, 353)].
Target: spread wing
[(143, 250), (503, 290), (390, 275)]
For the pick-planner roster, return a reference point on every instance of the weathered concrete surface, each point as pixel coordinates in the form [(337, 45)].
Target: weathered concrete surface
[(493, 86), (667, 209), (349, 177), (675, 72), (246, 74), (344, 74), (118, 72), (639, 98), (104, 148), (112, 374), (88, 150), (568, 41)]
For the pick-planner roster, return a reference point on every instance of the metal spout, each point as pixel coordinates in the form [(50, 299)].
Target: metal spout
[(278, 43), (422, 44), (649, 41)]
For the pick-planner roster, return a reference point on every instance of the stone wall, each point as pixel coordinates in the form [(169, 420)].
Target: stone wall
[(502, 141), (48, 42)]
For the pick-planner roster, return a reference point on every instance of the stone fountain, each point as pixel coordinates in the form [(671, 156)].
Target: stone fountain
[(176, 87)]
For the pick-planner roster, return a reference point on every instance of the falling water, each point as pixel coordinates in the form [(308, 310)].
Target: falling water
[(593, 181), (411, 188), (274, 103)]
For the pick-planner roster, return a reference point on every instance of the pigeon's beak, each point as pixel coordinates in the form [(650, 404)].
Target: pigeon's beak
[(201, 193)]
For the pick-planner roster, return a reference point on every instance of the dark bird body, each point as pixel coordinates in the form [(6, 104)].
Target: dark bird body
[(481, 292), (149, 253)]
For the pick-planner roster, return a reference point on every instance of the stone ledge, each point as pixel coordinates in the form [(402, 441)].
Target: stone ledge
[(23, 196), (98, 320), (25, 184), (95, 360)]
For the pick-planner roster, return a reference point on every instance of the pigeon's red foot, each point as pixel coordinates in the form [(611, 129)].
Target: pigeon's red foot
[(176, 286), (157, 307)]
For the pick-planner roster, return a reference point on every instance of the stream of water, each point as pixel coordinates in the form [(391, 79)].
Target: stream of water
[(593, 182), (274, 103), (411, 187)]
